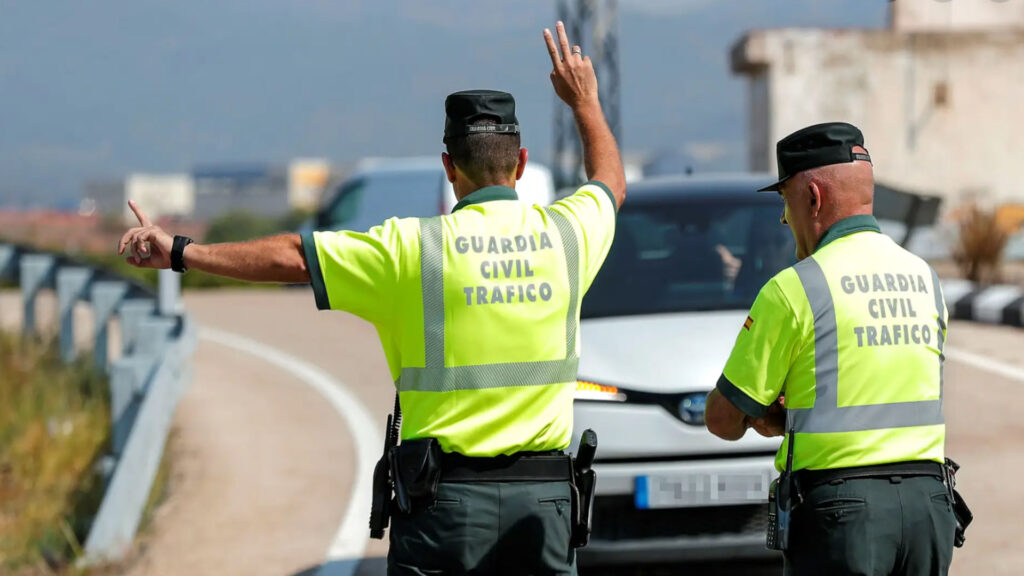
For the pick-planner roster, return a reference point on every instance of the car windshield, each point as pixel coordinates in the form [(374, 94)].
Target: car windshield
[(686, 255), (364, 203)]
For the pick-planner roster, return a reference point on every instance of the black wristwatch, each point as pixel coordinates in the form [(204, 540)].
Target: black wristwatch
[(178, 253)]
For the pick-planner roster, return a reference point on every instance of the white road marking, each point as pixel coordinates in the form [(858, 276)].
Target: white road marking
[(985, 363), (349, 544)]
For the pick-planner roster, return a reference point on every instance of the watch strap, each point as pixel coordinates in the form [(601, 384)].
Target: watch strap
[(178, 253)]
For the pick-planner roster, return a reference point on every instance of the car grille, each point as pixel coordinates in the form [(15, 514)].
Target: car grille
[(617, 518)]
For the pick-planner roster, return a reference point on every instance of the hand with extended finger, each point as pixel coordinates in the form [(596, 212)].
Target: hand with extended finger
[(730, 263), (573, 74), (148, 245)]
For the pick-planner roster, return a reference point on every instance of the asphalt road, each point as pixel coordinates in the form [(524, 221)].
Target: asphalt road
[(266, 464)]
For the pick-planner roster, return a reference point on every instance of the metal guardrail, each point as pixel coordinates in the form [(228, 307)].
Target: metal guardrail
[(146, 381)]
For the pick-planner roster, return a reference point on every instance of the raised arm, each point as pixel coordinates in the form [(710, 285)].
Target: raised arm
[(271, 259), (575, 83)]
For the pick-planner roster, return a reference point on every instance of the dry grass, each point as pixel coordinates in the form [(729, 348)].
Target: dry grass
[(54, 426), (980, 247)]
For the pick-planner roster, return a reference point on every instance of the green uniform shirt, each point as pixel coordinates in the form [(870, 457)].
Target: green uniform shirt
[(852, 337), (477, 311)]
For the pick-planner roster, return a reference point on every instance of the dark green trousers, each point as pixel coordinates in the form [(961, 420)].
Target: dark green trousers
[(873, 527), (513, 528)]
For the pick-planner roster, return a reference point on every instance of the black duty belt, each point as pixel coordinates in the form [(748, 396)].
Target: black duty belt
[(811, 478), (521, 467)]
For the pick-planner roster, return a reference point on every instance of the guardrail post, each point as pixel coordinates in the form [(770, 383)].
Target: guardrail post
[(153, 335), (128, 378), (72, 286), (8, 261), (37, 271), (169, 295), (122, 390), (118, 518), (132, 312), (106, 296), (130, 375)]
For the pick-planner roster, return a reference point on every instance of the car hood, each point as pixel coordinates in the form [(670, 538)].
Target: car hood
[(664, 353)]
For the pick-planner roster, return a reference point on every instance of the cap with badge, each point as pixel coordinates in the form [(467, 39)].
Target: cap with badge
[(814, 146), (463, 108)]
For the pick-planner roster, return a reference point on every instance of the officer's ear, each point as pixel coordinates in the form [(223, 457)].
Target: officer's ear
[(449, 166), (814, 195), (523, 156)]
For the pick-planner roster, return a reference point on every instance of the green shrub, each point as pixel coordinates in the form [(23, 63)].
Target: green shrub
[(54, 428), (238, 226)]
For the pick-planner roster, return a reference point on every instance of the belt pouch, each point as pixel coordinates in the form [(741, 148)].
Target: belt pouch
[(417, 472)]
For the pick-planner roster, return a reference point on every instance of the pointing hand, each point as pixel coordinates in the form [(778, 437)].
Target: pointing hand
[(148, 245)]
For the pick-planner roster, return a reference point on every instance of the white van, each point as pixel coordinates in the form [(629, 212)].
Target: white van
[(535, 187), (381, 188)]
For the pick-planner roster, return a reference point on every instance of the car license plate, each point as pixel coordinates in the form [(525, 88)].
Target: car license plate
[(691, 489)]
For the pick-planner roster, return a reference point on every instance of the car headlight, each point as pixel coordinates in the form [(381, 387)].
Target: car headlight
[(586, 390)]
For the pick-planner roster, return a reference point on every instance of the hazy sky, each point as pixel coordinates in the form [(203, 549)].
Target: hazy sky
[(98, 89)]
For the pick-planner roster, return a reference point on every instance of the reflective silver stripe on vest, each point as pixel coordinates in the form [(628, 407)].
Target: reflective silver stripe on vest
[(485, 376), (940, 307), (827, 415), (572, 265), (432, 275), (435, 376)]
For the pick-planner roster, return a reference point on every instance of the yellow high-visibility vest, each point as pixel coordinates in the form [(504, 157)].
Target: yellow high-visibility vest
[(477, 311), (853, 337)]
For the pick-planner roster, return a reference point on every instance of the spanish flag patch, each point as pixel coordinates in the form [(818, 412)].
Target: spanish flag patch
[(748, 323)]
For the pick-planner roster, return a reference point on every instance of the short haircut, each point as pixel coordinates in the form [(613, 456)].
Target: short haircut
[(485, 158)]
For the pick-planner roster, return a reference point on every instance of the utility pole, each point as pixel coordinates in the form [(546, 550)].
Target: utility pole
[(593, 24)]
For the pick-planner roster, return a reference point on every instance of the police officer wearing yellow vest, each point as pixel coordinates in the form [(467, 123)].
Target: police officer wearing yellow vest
[(478, 314), (842, 354)]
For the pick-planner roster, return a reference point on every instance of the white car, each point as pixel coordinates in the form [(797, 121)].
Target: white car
[(689, 256)]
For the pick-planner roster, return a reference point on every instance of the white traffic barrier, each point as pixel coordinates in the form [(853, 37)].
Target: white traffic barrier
[(146, 381)]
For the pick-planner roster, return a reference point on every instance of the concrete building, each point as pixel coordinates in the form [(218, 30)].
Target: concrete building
[(938, 94), (307, 180), (160, 194), (256, 188), (214, 190)]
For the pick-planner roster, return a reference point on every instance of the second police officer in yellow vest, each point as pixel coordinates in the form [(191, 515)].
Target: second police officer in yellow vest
[(842, 353)]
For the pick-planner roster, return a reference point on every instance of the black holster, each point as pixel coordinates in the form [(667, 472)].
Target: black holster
[(380, 507), (963, 514), (584, 482), (384, 476)]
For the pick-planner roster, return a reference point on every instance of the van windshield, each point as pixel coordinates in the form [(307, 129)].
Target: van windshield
[(370, 200)]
